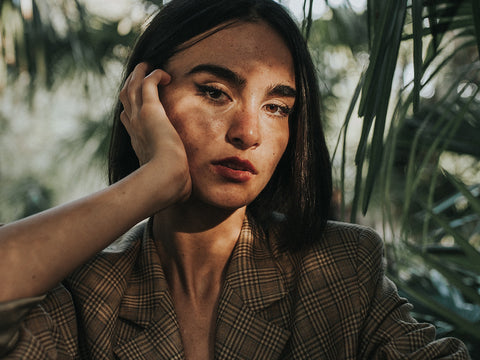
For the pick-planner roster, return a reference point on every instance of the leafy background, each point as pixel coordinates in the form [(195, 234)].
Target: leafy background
[(400, 84)]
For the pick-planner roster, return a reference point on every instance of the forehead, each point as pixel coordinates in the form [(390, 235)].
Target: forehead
[(241, 46)]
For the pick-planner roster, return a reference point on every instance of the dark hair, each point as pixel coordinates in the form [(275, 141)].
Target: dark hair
[(301, 187)]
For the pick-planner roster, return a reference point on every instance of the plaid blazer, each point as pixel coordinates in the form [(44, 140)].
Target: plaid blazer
[(331, 301)]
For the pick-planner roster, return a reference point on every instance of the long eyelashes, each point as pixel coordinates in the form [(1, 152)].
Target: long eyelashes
[(219, 97), (278, 110), (212, 93)]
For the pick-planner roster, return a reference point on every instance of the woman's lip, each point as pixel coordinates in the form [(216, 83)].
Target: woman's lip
[(235, 169), (237, 164)]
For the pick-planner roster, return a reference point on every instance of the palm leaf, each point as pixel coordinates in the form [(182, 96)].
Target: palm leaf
[(417, 7), (476, 21), (373, 107), (444, 16), (444, 311)]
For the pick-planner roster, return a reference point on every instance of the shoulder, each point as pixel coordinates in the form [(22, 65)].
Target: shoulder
[(348, 243), (126, 241), (122, 247), (111, 265), (339, 242), (343, 253), (345, 259), (349, 234), (356, 250)]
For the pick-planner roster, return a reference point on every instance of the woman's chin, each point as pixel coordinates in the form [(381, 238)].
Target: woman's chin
[(230, 201)]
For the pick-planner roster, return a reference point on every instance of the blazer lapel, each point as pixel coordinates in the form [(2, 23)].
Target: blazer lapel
[(147, 307), (252, 284), (160, 339)]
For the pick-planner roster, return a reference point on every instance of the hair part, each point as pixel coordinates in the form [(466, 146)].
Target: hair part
[(301, 186)]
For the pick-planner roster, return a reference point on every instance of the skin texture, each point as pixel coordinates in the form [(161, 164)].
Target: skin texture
[(208, 130)]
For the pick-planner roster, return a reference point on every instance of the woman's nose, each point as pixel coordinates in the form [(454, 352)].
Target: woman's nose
[(244, 129)]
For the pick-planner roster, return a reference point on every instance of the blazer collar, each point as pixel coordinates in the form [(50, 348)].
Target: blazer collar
[(253, 282), (253, 272)]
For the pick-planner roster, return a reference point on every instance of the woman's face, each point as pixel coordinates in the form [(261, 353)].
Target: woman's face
[(229, 99)]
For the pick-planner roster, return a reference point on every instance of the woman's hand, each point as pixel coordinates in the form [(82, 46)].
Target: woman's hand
[(154, 139)]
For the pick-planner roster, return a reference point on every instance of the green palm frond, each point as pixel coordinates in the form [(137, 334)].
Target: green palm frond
[(427, 24)]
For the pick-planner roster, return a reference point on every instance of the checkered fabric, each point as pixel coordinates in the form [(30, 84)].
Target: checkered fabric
[(331, 301)]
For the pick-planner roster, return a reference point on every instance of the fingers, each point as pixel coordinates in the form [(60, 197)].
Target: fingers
[(151, 83), (125, 120), (143, 115), (130, 95), (141, 88)]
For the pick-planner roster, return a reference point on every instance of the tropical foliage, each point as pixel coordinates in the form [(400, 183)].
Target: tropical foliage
[(418, 153)]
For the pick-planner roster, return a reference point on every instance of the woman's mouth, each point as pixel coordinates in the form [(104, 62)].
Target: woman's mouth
[(235, 169)]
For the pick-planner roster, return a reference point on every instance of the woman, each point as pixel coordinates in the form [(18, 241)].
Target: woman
[(217, 139)]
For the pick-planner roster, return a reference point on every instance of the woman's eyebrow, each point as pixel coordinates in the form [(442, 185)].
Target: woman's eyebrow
[(219, 71), (232, 77), (282, 91)]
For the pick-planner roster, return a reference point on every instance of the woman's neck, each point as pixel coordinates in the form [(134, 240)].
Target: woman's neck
[(195, 242)]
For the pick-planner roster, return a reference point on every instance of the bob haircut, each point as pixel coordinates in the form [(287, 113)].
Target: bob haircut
[(300, 189)]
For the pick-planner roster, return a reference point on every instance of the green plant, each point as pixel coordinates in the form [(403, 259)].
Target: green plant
[(408, 140)]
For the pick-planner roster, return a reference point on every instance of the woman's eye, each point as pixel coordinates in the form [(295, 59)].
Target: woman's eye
[(278, 110), (212, 92)]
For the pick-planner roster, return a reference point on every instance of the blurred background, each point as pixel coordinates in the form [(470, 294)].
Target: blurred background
[(401, 104)]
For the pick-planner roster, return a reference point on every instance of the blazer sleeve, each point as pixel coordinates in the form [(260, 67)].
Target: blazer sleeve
[(388, 330), (39, 328)]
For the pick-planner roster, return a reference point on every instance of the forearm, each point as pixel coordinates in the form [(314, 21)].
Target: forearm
[(39, 251)]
